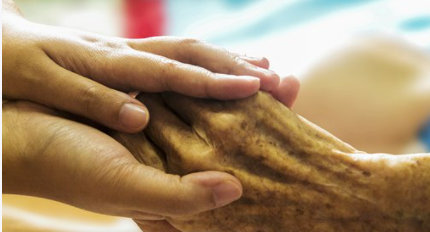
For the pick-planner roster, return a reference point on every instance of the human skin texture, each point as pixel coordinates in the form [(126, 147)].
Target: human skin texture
[(295, 175), (88, 73), (46, 154)]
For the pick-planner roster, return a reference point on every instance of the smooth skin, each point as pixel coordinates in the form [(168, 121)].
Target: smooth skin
[(87, 74), (52, 76)]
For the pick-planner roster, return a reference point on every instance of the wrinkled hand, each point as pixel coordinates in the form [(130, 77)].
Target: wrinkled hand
[(84, 73), (48, 156), (286, 92)]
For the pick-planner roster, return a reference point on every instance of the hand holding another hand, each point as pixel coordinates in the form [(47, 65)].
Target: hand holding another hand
[(53, 157), (48, 71), (59, 159), (86, 74)]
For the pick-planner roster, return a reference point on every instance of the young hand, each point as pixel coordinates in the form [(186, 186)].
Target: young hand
[(86, 74)]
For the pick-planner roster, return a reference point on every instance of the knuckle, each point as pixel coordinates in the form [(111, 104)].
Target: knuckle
[(236, 65), (169, 71), (210, 85), (116, 44), (209, 75), (170, 66), (89, 96), (228, 69), (189, 41), (134, 43), (189, 49), (239, 61), (103, 42)]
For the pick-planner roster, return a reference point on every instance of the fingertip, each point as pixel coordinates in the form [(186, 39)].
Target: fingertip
[(268, 78), (225, 188), (292, 83), (249, 79), (249, 86), (261, 62), (270, 81), (226, 192), (287, 90), (229, 87), (172, 195), (133, 116), (264, 63)]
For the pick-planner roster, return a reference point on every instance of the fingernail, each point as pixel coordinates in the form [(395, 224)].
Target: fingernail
[(133, 94), (132, 116), (249, 78), (252, 57), (267, 72), (226, 192)]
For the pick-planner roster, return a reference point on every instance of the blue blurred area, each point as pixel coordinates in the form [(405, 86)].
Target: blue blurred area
[(425, 135), (289, 15), (227, 22), (416, 23)]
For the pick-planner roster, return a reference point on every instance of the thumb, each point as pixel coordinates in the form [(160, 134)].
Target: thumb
[(172, 195)]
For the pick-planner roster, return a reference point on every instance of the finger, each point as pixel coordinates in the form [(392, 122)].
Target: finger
[(162, 74), (287, 90), (155, 226), (142, 149), (173, 195), (210, 57), (261, 62), (146, 189), (103, 176), (73, 93)]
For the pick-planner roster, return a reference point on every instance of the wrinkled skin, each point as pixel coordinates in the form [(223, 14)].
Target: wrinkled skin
[(295, 176)]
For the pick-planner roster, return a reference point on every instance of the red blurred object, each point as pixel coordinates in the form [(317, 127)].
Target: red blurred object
[(144, 18)]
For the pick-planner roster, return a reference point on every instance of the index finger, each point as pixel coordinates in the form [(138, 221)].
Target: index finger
[(208, 56), (162, 74)]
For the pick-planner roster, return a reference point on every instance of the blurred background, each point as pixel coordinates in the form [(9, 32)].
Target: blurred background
[(292, 33), (364, 67)]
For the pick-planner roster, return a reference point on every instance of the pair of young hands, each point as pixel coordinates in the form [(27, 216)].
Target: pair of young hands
[(50, 73)]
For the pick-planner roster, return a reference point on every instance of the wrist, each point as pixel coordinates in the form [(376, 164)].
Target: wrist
[(397, 183)]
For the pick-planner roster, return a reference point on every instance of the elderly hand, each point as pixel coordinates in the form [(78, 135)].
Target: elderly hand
[(47, 155), (86, 74)]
